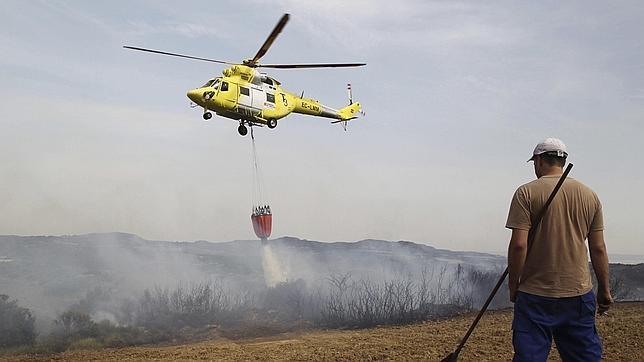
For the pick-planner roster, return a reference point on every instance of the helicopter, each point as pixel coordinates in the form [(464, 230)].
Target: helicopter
[(255, 99)]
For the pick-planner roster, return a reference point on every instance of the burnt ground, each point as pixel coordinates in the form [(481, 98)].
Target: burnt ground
[(622, 332)]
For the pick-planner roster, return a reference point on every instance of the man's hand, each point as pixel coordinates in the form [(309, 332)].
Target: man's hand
[(604, 301), (599, 258)]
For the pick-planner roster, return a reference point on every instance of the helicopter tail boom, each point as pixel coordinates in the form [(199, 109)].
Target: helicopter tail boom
[(314, 108)]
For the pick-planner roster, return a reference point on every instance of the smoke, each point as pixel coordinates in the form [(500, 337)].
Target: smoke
[(273, 273), (99, 274), (50, 274)]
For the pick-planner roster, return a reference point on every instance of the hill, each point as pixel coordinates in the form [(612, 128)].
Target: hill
[(49, 273)]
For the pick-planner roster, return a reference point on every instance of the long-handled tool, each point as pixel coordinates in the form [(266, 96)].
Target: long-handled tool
[(452, 357)]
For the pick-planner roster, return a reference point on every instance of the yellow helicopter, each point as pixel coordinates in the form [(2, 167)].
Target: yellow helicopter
[(255, 99)]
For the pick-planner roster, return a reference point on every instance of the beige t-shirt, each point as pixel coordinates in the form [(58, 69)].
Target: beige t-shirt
[(557, 265)]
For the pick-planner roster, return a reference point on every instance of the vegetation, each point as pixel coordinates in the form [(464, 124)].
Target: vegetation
[(203, 310), (16, 324), (618, 288), (76, 330)]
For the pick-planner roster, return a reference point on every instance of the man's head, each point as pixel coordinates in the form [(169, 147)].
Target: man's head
[(549, 157)]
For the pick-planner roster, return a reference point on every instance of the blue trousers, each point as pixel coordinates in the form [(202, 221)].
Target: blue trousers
[(571, 321)]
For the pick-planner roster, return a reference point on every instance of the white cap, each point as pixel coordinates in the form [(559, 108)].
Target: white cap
[(550, 145)]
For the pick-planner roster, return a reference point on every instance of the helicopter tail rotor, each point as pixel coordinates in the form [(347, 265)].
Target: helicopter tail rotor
[(349, 112), (350, 92)]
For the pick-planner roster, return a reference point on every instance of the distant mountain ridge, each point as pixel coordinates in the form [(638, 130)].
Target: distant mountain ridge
[(52, 272)]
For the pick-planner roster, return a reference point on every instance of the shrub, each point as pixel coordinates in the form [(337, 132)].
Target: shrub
[(618, 288), (116, 341), (16, 324), (85, 343), (75, 323)]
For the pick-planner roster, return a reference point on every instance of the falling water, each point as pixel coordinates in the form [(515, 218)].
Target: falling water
[(273, 273)]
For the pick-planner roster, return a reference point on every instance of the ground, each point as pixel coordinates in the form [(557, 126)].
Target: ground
[(622, 332)]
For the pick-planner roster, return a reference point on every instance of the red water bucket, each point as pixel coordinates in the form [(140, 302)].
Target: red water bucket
[(262, 224)]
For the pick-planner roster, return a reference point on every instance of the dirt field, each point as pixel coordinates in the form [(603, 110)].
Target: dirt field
[(622, 332)]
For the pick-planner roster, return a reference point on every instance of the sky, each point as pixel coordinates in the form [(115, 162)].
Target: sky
[(97, 138)]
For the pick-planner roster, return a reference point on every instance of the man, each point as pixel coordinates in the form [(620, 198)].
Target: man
[(552, 287)]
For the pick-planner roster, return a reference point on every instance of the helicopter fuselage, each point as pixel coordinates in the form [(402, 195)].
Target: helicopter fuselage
[(254, 98)]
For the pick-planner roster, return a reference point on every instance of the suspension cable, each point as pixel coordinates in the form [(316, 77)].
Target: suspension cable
[(258, 192)]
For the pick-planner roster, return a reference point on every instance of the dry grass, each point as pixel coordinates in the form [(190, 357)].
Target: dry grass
[(622, 332)]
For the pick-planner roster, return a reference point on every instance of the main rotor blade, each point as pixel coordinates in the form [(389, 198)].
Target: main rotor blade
[(178, 55), (271, 38), (327, 65)]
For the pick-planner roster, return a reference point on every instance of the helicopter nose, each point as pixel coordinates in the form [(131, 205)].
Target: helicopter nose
[(193, 94)]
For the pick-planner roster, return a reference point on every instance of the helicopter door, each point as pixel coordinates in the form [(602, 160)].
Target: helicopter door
[(244, 97), (258, 98), (228, 92)]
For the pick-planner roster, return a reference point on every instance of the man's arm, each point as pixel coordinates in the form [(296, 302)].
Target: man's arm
[(599, 258), (517, 252)]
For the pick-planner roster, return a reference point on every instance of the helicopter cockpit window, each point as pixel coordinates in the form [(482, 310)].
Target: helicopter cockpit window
[(215, 84), (208, 83), (267, 80), (224, 86), (270, 97)]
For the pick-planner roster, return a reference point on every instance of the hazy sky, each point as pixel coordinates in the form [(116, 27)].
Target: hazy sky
[(96, 138)]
